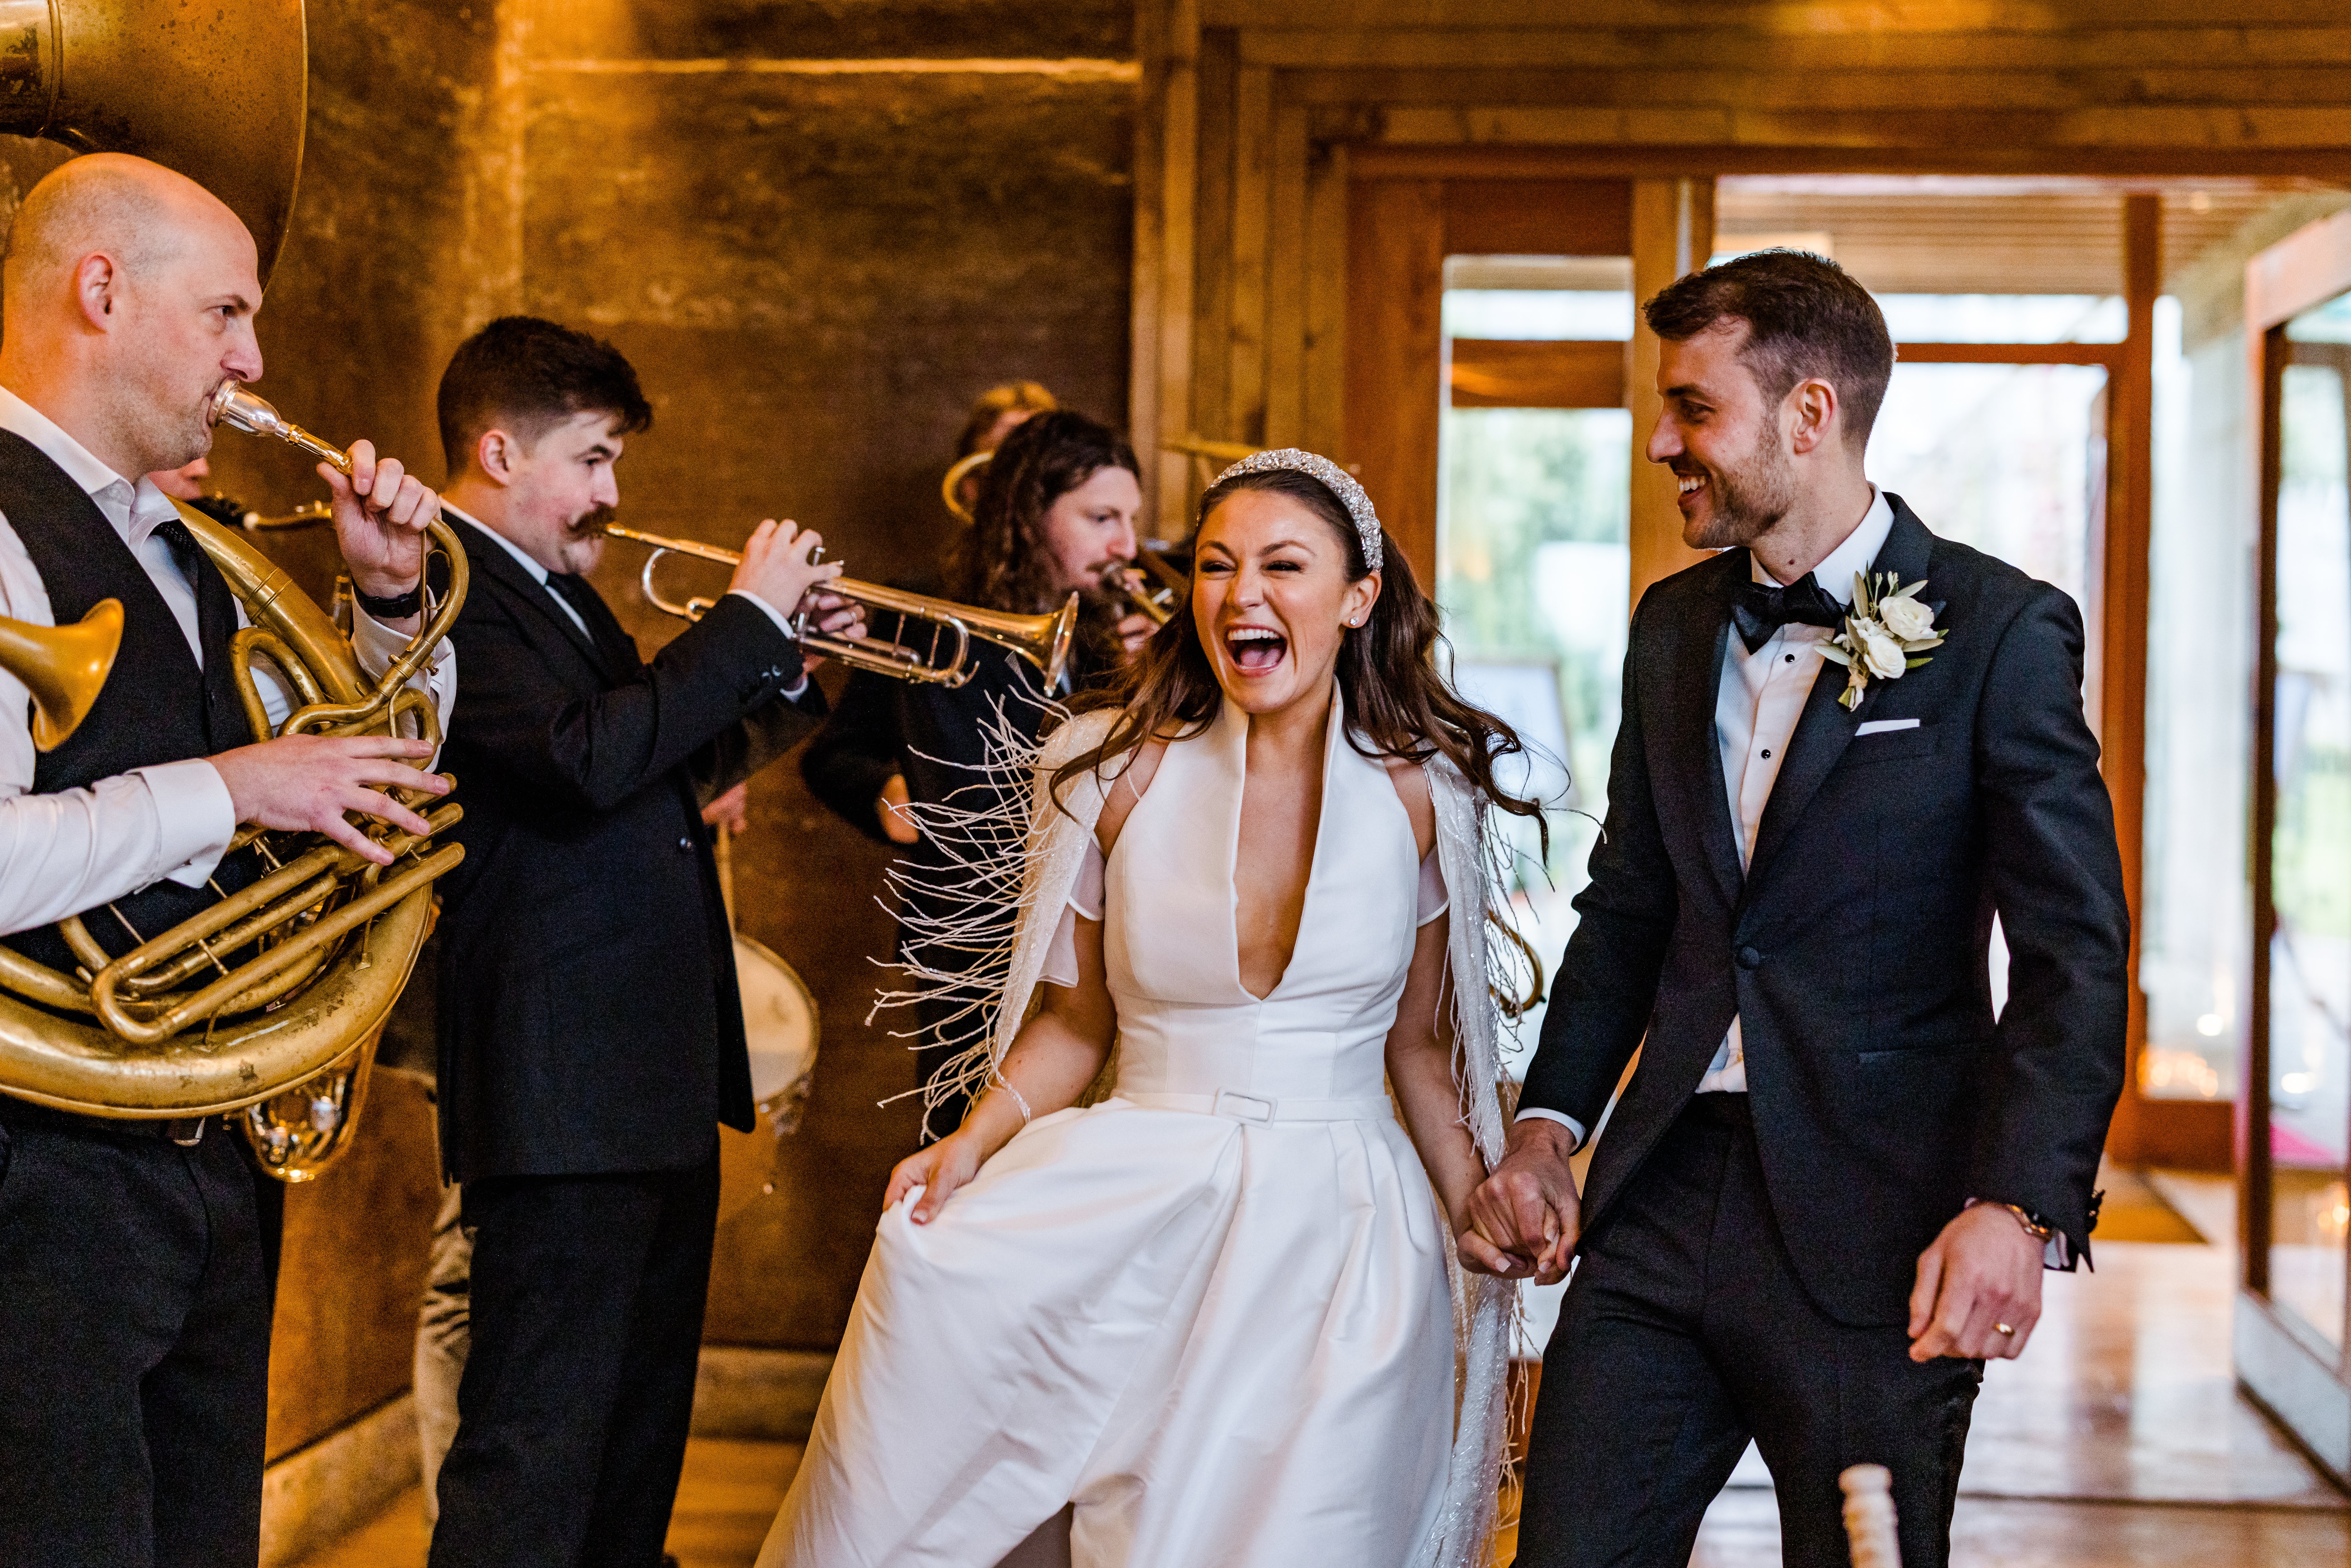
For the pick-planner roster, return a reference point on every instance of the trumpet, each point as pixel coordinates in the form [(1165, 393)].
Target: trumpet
[(1043, 640), (1150, 584)]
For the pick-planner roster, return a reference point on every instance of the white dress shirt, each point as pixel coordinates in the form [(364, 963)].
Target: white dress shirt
[(539, 575), (75, 850), (1759, 699)]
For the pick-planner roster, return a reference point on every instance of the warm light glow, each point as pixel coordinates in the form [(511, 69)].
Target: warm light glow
[(2176, 1070), (2211, 1025), (2333, 1212), (2298, 1083)]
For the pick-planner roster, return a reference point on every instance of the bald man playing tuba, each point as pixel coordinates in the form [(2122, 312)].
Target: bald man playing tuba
[(134, 1387)]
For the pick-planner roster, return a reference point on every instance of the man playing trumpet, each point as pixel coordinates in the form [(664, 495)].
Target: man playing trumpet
[(590, 1031), (133, 1397), (1057, 510)]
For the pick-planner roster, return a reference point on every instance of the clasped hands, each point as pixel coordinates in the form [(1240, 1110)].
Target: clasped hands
[(1978, 1294)]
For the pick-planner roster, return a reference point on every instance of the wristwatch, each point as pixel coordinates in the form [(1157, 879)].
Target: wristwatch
[(399, 607), (2032, 1222)]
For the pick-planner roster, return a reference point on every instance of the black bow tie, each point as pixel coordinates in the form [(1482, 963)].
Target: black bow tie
[(1760, 610)]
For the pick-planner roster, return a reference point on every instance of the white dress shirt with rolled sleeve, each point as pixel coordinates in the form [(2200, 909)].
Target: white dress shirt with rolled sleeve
[(75, 850)]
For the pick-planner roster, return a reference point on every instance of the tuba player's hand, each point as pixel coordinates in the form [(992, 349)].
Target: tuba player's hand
[(381, 514), (309, 781)]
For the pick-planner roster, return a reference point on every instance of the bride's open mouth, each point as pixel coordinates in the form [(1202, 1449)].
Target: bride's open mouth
[(1255, 650)]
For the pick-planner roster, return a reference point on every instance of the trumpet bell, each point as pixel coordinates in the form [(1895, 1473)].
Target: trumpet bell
[(222, 100), (63, 667)]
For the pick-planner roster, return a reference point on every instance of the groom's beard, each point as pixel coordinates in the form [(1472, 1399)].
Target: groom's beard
[(1745, 501)]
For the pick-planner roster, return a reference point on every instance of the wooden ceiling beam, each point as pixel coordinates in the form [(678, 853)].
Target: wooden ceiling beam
[(1502, 159), (1685, 48)]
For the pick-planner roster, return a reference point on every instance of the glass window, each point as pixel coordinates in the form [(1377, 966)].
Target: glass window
[(1569, 314), (2005, 317), (2008, 458), (1535, 575), (2195, 943), (2310, 956)]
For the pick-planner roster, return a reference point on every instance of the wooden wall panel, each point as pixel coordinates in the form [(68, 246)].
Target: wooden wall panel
[(1673, 233), (1538, 217), (1501, 373), (1395, 352)]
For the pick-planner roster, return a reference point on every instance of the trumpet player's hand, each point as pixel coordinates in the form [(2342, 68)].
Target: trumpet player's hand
[(835, 617), (779, 564), (307, 782), (381, 514), (897, 822), (1134, 631)]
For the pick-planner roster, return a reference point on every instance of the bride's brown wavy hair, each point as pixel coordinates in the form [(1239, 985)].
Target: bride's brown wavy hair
[(1399, 703)]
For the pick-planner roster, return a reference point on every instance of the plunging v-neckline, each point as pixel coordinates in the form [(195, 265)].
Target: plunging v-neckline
[(1333, 725)]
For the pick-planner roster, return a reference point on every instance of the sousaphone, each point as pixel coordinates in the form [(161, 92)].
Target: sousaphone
[(218, 90)]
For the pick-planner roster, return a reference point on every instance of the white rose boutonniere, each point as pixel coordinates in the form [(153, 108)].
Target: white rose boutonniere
[(1886, 632)]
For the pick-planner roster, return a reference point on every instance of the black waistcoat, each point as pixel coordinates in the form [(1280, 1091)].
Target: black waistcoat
[(157, 706)]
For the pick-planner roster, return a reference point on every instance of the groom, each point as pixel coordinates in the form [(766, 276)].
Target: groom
[(1831, 1185)]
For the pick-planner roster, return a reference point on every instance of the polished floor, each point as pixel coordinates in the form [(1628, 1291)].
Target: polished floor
[(2117, 1441)]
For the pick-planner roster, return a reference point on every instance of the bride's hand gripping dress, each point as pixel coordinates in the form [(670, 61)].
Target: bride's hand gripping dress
[(1213, 1310)]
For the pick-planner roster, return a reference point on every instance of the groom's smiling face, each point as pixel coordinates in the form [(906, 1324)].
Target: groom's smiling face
[(1725, 440)]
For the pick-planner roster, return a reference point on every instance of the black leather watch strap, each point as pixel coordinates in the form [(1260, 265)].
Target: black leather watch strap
[(399, 607)]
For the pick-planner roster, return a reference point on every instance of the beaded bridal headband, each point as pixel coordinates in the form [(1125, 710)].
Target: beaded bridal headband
[(1335, 479)]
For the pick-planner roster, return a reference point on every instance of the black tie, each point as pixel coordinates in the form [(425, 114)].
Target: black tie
[(1760, 610), (594, 618)]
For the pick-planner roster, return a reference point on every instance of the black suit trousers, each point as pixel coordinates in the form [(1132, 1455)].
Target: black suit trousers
[(572, 1414), (134, 1346), (1686, 1332)]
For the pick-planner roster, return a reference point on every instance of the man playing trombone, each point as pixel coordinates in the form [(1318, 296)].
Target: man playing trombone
[(591, 1032), (134, 1392)]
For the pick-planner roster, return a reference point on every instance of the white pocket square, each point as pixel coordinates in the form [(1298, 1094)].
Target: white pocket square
[(1884, 725)]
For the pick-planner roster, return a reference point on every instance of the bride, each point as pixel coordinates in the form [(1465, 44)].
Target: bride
[(1210, 1318)]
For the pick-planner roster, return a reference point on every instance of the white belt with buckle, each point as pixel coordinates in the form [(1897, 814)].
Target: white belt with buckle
[(1266, 1108)]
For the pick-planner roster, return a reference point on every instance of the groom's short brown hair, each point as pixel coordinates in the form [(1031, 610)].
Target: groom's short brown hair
[(1806, 317)]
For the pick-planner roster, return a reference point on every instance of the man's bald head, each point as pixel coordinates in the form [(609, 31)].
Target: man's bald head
[(126, 300), (138, 212)]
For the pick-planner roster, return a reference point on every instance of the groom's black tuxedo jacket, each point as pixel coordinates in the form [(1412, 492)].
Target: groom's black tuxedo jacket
[(1853, 949)]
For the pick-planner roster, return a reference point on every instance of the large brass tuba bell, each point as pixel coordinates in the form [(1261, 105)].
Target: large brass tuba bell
[(217, 92)]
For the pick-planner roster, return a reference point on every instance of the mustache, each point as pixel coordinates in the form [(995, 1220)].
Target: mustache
[(594, 522)]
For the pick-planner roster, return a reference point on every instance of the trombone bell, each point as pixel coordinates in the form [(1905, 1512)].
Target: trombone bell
[(63, 667)]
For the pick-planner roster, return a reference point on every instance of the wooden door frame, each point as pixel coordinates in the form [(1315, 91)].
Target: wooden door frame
[(2305, 1381)]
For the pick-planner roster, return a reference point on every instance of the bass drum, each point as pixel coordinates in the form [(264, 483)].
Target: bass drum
[(780, 1018)]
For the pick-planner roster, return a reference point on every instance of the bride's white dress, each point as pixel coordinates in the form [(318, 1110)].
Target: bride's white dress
[(1210, 1310)]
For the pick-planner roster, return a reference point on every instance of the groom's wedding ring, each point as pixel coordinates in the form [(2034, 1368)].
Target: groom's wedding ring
[(2003, 1328)]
